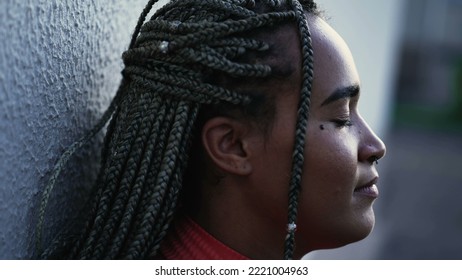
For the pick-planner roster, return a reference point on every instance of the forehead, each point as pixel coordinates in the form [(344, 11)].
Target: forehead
[(334, 66)]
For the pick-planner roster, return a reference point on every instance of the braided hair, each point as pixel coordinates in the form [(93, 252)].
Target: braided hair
[(176, 71)]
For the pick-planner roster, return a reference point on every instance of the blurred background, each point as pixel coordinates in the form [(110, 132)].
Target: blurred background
[(60, 65)]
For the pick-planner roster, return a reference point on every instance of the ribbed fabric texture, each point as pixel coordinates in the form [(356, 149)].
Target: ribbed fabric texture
[(188, 241)]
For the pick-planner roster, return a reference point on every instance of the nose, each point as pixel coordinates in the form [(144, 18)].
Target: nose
[(371, 147)]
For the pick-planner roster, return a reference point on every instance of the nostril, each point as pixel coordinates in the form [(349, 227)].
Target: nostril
[(374, 159)]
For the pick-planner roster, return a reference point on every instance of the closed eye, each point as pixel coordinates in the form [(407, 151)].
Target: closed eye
[(342, 122)]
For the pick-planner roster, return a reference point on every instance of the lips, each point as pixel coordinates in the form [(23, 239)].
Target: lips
[(368, 189)]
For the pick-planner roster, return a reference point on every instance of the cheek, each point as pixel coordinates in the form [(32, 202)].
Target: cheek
[(326, 211), (331, 156), (330, 174)]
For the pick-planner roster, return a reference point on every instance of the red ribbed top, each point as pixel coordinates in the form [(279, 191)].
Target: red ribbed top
[(189, 241)]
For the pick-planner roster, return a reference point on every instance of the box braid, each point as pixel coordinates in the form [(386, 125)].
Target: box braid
[(165, 86)]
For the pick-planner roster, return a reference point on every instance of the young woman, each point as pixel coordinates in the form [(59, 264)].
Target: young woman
[(235, 135)]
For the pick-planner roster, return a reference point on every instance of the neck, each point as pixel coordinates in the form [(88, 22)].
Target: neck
[(238, 222)]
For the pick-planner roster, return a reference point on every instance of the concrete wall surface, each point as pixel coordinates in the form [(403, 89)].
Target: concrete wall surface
[(59, 66)]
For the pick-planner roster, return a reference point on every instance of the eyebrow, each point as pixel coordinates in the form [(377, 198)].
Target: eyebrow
[(340, 93)]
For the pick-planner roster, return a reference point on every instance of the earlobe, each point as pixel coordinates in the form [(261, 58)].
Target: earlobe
[(224, 141)]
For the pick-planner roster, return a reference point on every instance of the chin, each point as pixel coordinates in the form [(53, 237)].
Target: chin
[(336, 232), (360, 229), (338, 236)]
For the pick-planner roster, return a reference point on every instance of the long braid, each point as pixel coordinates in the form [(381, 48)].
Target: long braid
[(139, 157), (142, 181), (157, 221), (154, 114), (141, 20), (300, 130)]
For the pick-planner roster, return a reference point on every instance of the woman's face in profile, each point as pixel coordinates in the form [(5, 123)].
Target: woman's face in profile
[(339, 175)]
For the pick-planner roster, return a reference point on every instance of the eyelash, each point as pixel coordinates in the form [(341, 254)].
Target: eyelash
[(340, 123)]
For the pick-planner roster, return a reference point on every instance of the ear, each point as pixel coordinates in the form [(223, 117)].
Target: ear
[(225, 142)]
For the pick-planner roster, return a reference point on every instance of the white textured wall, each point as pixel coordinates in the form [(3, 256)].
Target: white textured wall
[(59, 65)]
